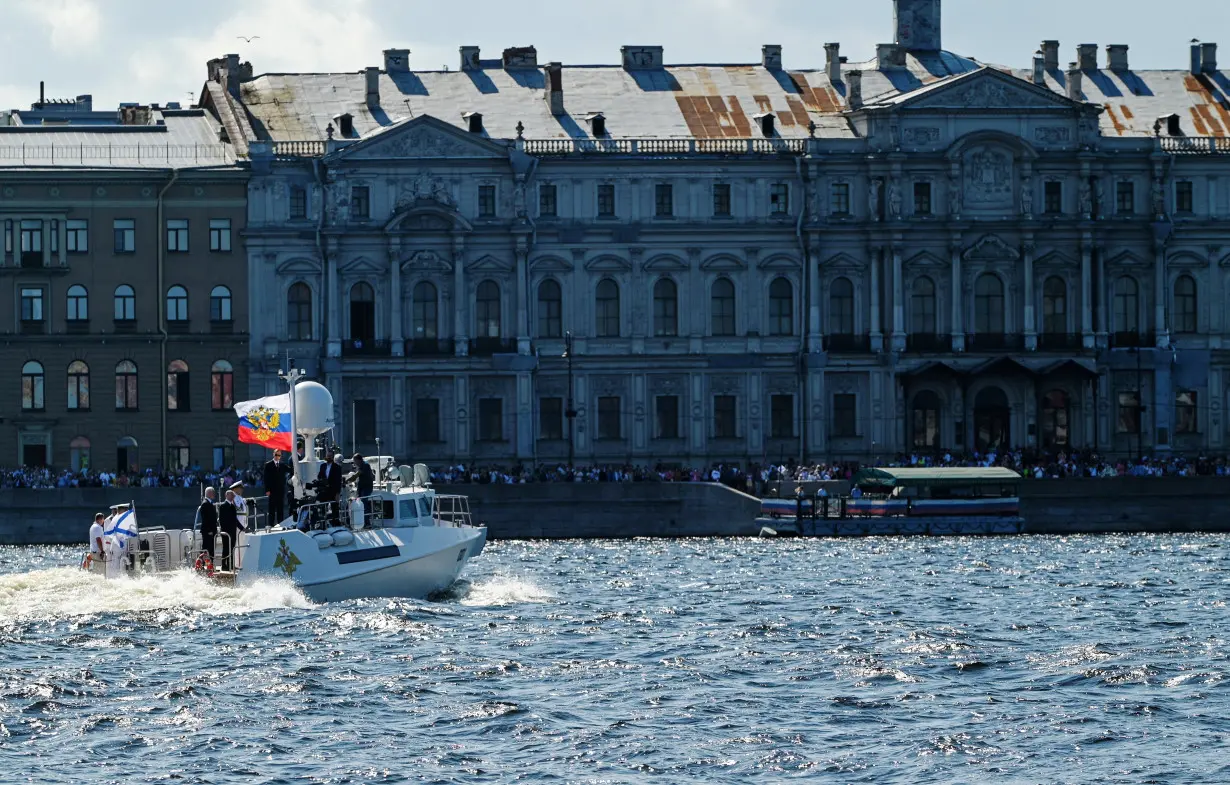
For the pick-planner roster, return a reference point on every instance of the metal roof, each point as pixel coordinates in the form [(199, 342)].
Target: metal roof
[(934, 477), (184, 139)]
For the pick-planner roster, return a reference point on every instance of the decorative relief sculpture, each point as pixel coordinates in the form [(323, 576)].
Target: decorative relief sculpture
[(988, 178), (873, 200), (1157, 195), (922, 136), (1052, 135), (894, 199), (1027, 197), (425, 186), (724, 385), (954, 194), (1086, 199)]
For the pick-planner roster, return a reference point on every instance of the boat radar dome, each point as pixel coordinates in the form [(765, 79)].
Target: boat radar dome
[(313, 409)]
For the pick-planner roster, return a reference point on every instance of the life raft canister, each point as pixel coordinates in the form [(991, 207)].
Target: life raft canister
[(204, 565)]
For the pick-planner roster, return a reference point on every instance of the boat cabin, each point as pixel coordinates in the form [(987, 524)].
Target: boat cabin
[(993, 482)]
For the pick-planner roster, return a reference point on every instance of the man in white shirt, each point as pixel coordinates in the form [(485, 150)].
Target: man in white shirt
[(241, 505), (96, 540)]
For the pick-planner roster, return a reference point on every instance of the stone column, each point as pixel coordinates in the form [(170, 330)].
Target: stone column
[(334, 345), (1031, 328), (1159, 295), (461, 297), (62, 242), (45, 231), (523, 310), (898, 337), (958, 304), (815, 329), (1101, 296), (1087, 298), (877, 334), (395, 295)]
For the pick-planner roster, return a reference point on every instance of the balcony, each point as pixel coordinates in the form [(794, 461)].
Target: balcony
[(928, 343), (1131, 339), (430, 347), (33, 326), (994, 342), (359, 347), (486, 347), (32, 260), (1059, 342), (847, 344)]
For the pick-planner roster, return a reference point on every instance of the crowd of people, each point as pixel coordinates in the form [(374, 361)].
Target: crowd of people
[(44, 478)]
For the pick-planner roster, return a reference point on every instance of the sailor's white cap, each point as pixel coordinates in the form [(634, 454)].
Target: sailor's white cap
[(235, 486), (123, 506)]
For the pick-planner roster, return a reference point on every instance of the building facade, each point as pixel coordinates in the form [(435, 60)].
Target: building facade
[(125, 272), (739, 262)]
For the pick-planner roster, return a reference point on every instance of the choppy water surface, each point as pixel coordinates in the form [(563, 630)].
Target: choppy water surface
[(894, 660)]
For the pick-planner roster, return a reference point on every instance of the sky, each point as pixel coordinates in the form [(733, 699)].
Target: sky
[(155, 50)]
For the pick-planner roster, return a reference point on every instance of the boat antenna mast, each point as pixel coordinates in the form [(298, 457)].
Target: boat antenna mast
[(292, 377)]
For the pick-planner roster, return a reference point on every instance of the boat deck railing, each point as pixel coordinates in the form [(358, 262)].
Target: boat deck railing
[(451, 511)]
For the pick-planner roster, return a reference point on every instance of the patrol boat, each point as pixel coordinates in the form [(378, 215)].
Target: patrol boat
[(404, 540)]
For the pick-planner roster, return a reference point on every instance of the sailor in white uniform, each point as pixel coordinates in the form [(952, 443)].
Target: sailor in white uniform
[(96, 541), (115, 547), (241, 505)]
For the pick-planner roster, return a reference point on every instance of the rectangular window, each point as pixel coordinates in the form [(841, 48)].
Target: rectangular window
[(360, 203), (491, 419), (298, 203), (922, 198), (551, 419), (610, 423), (178, 389), (845, 416), (222, 387), (724, 417), (1125, 197), (125, 231), (721, 200), (1052, 194), (427, 420), (547, 207), (1183, 201), (1129, 413), (839, 199), (781, 417), (606, 200), (779, 199), (31, 243), (364, 424), (1185, 412), (8, 241), (77, 235), (666, 422), (486, 201), (663, 200), (177, 235), (220, 235), (32, 305)]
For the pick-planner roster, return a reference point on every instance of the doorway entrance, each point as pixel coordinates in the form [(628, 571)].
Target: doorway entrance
[(992, 421)]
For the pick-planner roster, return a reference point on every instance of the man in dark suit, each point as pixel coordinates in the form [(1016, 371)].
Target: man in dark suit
[(275, 487), (333, 488), (228, 522), (207, 516)]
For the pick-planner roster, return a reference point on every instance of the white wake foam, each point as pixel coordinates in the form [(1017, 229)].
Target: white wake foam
[(68, 592), (500, 591)]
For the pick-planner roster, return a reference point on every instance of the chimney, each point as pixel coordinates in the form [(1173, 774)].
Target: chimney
[(854, 89), (1117, 57), (520, 57), (1074, 82), (554, 94), (1087, 56), (771, 56), (396, 61), (371, 76), (889, 56), (1208, 58), (85, 103), (470, 59), (1197, 57), (637, 57), (832, 62), (232, 75), (917, 23), (1050, 54), (1039, 68)]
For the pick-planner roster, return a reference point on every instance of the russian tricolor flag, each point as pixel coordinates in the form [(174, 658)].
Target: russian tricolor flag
[(266, 422)]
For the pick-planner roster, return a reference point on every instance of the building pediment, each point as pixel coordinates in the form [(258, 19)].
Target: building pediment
[(665, 264), (489, 265), (361, 266), (1126, 258), (427, 261), (551, 264), (420, 138), (983, 90), (608, 264), (1055, 260), (723, 262), (1187, 259), (991, 249), (780, 262), (299, 266), (842, 262), (926, 261)]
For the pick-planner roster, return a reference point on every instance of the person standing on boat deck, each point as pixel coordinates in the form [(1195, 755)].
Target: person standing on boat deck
[(365, 477), (275, 487), (241, 504), (207, 516), (228, 522), (333, 488), (96, 537)]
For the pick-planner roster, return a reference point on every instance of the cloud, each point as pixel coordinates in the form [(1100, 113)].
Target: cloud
[(75, 24)]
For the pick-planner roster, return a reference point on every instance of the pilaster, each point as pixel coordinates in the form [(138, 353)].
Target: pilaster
[(396, 338), (1031, 329), (877, 334)]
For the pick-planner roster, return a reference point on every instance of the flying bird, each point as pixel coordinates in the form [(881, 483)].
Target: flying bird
[(246, 39)]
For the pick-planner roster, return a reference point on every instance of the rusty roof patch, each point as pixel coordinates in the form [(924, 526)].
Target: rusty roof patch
[(1127, 112), (1198, 122), (1114, 119)]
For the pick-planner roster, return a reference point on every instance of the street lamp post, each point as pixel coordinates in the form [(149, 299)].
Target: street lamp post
[(570, 411)]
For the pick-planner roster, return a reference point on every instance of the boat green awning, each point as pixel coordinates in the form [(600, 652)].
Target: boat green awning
[(935, 478)]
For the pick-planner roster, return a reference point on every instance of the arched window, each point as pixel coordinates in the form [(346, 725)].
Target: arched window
[(222, 385), (1185, 304), (79, 454), (33, 396), (126, 457), (722, 307), (487, 310), (925, 420), (220, 304), (126, 386), (841, 307), (665, 308), (224, 453), (426, 311), (362, 314), (1055, 423), (178, 454), (178, 397), (299, 312), (1054, 306), (989, 305), (125, 303), (78, 386), (78, 303), (606, 309), (922, 307), (177, 304), (1127, 305), (781, 307), (550, 310)]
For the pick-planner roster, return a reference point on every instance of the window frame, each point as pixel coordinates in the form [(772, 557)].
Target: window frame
[(360, 203), (781, 308), (551, 419), (610, 418), (124, 236), (221, 386), (664, 200), (124, 304), (781, 405), (550, 309), (76, 236), (178, 236), (922, 198), (127, 386), (1052, 197), (844, 427), (671, 418), (177, 304), (605, 206), (779, 199), (219, 235), (33, 386), (221, 305), (486, 200), (607, 321), (723, 308), (78, 384), (548, 200), (33, 302), (77, 305), (723, 202), (425, 311), (661, 329), (1125, 197), (297, 308)]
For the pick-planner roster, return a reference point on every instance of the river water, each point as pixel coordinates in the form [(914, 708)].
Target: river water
[(1031, 659)]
